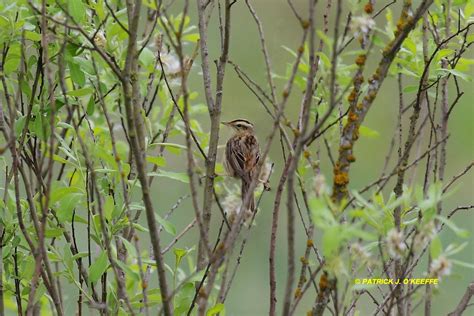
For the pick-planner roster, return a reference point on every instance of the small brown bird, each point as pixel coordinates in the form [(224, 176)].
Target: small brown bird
[(241, 155)]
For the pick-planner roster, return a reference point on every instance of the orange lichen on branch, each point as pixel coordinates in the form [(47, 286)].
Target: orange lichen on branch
[(404, 17), (359, 79), (351, 158), (304, 260), (305, 24), (342, 178), (353, 116), (323, 282), (360, 60), (369, 8), (298, 292), (309, 243), (346, 146), (352, 96), (355, 133)]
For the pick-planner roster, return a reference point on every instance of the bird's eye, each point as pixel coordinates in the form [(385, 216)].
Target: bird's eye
[(239, 125)]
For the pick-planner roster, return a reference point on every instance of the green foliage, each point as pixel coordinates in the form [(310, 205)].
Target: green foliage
[(91, 90), (360, 226)]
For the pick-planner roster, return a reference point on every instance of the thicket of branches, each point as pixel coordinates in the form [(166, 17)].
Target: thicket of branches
[(92, 91)]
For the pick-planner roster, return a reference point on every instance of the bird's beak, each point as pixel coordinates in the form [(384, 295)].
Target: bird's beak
[(225, 123)]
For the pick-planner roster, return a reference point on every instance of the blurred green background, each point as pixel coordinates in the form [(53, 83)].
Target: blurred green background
[(250, 292)]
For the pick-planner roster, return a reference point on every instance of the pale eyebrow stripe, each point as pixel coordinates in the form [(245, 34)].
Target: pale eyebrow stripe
[(241, 120)]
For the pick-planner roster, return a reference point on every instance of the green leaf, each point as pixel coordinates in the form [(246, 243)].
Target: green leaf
[(457, 73), (77, 75), (130, 248), (377, 40), (99, 9), (463, 264), (80, 255), (444, 52), (436, 248), (150, 3), (32, 36), (320, 213), (11, 64), (325, 59), (159, 160), (458, 231), (98, 267), (59, 159), (80, 92), (53, 232), (128, 271), (4, 22), (364, 130), (368, 132), (326, 39), (184, 298), (219, 308), (147, 58), (410, 89), (289, 50), (166, 225), (332, 238), (68, 261), (172, 145), (410, 45), (193, 38), (454, 248), (180, 176), (179, 254), (468, 9), (109, 207), (27, 268), (90, 106), (20, 124), (139, 227), (66, 206), (77, 10)]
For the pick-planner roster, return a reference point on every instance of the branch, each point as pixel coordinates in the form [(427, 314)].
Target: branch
[(464, 301)]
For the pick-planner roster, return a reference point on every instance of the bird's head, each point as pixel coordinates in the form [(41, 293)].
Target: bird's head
[(240, 125)]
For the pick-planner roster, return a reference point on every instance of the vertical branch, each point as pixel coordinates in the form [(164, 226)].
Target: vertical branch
[(299, 141), (214, 108), (268, 66), (131, 91), (276, 206), (444, 101)]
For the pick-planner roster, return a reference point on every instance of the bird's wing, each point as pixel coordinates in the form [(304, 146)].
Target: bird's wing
[(252, 154), (235, 157)]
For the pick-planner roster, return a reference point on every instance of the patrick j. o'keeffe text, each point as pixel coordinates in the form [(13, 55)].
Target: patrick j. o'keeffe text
[(407, 281)]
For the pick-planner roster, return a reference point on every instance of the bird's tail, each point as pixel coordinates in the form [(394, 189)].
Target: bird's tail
[(244, 189)]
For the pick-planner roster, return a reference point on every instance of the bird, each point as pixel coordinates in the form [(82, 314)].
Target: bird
[(242, 154)]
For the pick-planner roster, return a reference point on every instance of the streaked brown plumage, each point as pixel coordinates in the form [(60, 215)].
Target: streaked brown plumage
[(241, 155)]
